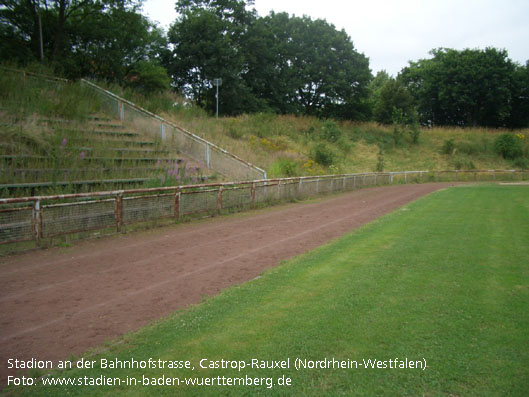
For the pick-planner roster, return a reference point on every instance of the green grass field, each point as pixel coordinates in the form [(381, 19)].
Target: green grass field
[(443, 280)]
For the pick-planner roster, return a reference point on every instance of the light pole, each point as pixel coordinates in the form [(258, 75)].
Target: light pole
[(217, 82)]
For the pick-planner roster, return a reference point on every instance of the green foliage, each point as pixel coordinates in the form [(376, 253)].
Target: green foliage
[(380, 161), (393, 95), (463, 163), (330, 131), (284, 167), (521, 163), (508, 146), (277, 63), (103, 39), (469, 88), (148, 78), (323, 154), (448, 146), (22, 96)]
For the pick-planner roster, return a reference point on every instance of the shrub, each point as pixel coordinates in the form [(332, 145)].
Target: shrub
[(521, 163), (323, 154), (380, 161), (331, 132), (284, 167), (508, 146), (448, 147), (148, 78), (464, 164)]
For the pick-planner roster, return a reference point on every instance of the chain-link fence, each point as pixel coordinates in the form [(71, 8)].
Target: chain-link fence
[(38, 218), (199, 149)]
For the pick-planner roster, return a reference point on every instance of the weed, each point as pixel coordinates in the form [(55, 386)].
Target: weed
[(284, 167), (330, 131), (509, 146), (448, 147), (461, 163), (323, 154), (380, 161)]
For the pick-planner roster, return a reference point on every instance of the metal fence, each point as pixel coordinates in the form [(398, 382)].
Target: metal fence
[(212, 156), (43, 217)]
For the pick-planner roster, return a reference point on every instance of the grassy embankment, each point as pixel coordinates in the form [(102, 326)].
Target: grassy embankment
[(287, 145), (283, 145), (444, 279), (48, 133)]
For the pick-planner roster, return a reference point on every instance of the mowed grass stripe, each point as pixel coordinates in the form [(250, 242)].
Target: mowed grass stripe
[(445, 278)]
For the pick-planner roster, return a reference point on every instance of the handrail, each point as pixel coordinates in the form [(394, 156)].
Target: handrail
[(227, 184), (184, 131)]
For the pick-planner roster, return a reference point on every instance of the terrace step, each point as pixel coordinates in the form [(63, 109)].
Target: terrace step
[(88, 132), (34, 187), (125, 142), (113, 125), (10, 158)]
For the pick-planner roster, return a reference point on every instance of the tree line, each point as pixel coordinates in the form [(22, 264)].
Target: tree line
[(278, 63)]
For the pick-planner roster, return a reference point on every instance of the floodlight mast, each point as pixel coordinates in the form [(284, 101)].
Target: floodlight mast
[(217, 82)]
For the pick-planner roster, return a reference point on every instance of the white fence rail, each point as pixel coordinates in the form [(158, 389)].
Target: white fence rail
[(43, 217)]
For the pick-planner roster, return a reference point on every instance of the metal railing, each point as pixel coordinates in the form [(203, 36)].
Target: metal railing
[(198, 148), (43, 217)]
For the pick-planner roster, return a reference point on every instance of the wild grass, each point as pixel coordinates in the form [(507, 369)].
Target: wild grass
[(283, 145), (23, 96), (444, 279)]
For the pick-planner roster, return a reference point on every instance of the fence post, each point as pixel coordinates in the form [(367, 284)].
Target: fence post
[(177, 203), (208, 155), (162, 131), (37, 222), (118, 211), (219, 199), (343, 186), (252, 191), (121, 111), (300, 186), (279, 189)]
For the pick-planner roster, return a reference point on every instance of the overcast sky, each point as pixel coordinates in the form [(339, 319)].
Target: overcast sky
[(391, 33)]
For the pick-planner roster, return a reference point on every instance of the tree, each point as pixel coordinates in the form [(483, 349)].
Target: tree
[(99, 38), (204, 49), (519, 117), (279, 63), (148, 77), (465, 88), (298, 65), (392, 96)]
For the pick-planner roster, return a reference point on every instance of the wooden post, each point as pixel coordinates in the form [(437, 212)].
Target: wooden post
[(37, 222), (118, 211), (219, 199), (252, 191), (177, 203)]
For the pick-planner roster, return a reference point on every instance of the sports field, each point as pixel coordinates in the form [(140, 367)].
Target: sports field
[(432, 299)]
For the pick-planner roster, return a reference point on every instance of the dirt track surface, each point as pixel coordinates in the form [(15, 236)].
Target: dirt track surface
[(59, 302)]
